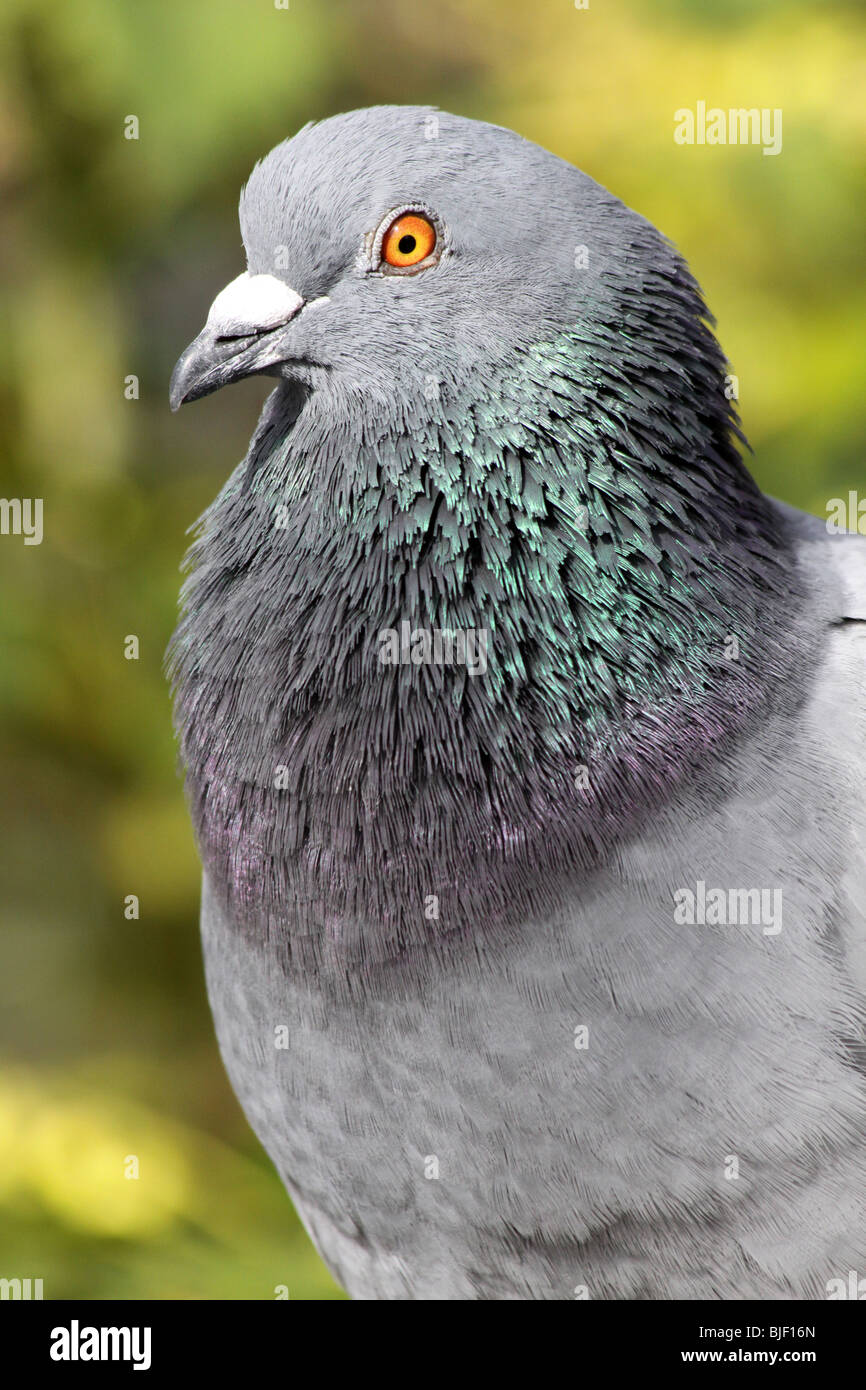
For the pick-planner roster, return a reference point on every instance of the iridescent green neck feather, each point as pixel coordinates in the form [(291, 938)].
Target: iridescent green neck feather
[(589, 508)]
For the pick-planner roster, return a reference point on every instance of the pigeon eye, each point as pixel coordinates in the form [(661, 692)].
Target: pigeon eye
[(409, 240)]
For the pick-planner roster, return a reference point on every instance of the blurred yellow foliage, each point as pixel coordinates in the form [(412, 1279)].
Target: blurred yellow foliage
[(72, 1153)]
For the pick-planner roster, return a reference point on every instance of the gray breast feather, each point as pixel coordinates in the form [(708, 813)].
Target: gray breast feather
[(615, 1102)]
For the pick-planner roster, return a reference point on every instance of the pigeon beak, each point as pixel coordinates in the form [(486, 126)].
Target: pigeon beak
[(239, 338)]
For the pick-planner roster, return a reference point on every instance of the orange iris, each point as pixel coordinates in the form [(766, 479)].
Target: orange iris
[(408, 240)]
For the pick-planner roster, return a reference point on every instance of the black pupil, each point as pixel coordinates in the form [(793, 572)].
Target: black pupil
[(406, 245)]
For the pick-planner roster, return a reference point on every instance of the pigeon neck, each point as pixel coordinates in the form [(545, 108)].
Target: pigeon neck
[(635, 593)]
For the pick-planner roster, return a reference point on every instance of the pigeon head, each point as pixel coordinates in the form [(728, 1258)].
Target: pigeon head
[(500, 409), (398, 254)]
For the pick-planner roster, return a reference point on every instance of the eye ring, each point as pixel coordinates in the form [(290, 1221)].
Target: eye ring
[(421, 225)]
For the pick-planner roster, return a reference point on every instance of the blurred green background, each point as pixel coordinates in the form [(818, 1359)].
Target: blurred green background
[(112, 251)]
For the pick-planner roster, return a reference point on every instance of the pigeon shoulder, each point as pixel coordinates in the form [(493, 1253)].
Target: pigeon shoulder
[(835, 715), (834, 565), (840, 555)]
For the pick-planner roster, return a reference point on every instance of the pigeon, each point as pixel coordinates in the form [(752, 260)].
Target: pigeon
[(525, 746)]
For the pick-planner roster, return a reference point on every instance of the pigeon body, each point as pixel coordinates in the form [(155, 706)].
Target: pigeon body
[(542, 976)]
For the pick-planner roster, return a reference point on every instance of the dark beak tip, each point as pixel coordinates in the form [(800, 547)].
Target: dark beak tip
[(207, 364), (214, 359), (178, 387)]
